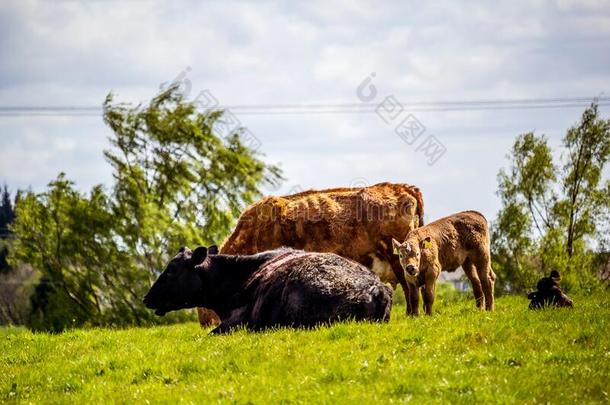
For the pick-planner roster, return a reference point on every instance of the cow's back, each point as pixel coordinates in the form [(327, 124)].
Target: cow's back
[(357, 223), (305, 289)]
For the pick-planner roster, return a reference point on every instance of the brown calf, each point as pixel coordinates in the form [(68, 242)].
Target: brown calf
[(356, 223), (460, 239)]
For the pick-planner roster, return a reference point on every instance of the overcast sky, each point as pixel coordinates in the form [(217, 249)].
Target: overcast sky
[(73, 53)]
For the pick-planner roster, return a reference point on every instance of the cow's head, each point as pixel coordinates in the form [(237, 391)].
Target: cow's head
[(410, 253), (555, 276), (180, 284)]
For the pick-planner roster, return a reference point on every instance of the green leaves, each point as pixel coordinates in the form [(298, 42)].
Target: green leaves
[(588, 145), (529, 181), (172, 167)]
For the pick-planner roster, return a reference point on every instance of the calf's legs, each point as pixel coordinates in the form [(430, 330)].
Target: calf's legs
[(413, 300), (410, 290), (477, 289), (488, 279), (428, 293)]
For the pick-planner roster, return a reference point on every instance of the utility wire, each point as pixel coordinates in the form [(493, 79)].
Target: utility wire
[(420, 109), (426, 103), (339, 108)]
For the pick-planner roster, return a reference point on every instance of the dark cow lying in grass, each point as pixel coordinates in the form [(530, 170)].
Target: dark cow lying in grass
[(282, 287), (549, 293)]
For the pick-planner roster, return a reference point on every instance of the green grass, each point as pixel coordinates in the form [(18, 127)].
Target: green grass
[(459, 355)]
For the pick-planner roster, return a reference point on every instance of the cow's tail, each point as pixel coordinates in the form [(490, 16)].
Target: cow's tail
[(416, 193)]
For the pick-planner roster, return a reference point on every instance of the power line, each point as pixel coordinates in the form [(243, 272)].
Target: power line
[(425, 103), (422, 109), (337, 108)]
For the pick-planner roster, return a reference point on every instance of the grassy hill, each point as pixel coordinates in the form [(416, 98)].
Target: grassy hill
[(459, 355)]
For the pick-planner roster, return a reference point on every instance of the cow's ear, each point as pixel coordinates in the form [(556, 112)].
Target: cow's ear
[(213, 250), (395, 246), (199, 255), (426, 243)]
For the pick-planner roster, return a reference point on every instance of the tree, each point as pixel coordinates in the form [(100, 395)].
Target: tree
[(69, 238), (4, 249), (15, 283), (529, 183), (527, 198), (547, 214), (16, 288), (588, 145), (512, 248), (7, 214), (176, 182)]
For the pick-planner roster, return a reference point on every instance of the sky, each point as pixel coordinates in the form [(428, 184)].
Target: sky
[(72, 53)]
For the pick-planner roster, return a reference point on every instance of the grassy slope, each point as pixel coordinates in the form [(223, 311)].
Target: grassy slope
[(458, 355)]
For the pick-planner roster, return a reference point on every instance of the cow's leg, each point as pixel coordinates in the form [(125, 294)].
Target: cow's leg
[(428, 293), (492, 287), (235, 319), (471, 273), (207, 317), (487, 277), (429, 289), (407, 299), (413, 299)]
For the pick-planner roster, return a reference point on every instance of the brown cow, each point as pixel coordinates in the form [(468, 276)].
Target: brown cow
[(356, 223), (460, 239)]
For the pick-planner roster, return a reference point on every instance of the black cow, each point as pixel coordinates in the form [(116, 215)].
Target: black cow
[(549, 293), (282, 287)]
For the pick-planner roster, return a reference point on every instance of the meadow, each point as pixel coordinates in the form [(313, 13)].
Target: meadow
[(459, 355)]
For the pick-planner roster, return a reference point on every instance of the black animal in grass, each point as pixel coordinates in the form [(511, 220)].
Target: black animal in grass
[(548, 292), (282, 287)]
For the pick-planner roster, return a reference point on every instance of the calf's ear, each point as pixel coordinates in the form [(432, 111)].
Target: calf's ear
[(395, 246), (426, 242), (199, 255), (213, 250)]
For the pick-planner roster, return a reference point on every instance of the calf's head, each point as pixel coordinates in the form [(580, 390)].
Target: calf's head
[(410, 254), (180, 284)]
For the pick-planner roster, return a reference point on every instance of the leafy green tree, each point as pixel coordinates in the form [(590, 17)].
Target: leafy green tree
[(512, 247), (527, 198), (46, 229), (70, 239), (550, 215), (175, 183), (529, 183), (588, 145)]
